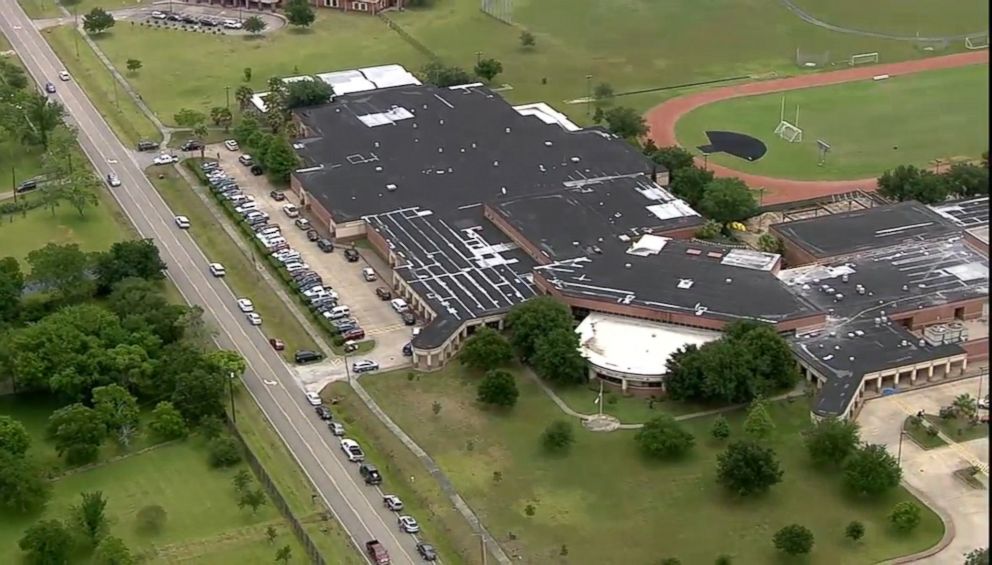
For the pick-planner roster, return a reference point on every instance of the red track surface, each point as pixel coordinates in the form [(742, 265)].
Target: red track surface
[(662, 118)]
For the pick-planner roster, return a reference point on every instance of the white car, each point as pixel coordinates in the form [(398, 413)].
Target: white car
[(245, 305), (293, 267), (182, 222), (291, 210), (232, 24), (392, 502), (231, 145), (64, 76), (165, 159), (158, 15), (254, 319), (408, 524), (984, 403), (352, 450), (217, 270), (113, 180), (313, 398)]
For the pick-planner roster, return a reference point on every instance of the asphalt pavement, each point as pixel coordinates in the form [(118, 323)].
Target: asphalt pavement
[(357, 507)]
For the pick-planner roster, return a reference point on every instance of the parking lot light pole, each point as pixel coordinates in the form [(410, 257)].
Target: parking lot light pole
[(230, 387), (902, 433), (347, 369)]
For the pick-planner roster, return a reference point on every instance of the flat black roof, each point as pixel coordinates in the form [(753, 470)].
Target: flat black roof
[(681, 277), (850, 232), (965, 213), (443, 148)]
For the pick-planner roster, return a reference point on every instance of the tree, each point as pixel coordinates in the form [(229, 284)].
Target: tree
[(113, 551), (748, 468), (689, 184), (907, 182), (723, 560), (167, 423), (871, 470), (832, 440), (14, 438), (188, 118), (527, 40), (967, 180), (557, 357), (253, 499), (46, 543), (720, 429), (488, 68), (663, 437), (299, 13), (534, 318), (43, 115), (758, 424), (978, 556), (150, 519), (602, 95), (137, 258), (965, 406), (246, 74), (254, 25), (23, 487), (770, 244), (625, 122), (133, 65), (794, 540), (280, 159), (441, 75), (558, 436), (89, 517), (98, 21), (11, 289), (246, 129), (243, 95), (303, 93), (284, 554), (221, 116), (77, 432), (498, 388), (673, 158), (270, 534), (12, 75), (485, 350), (141, 306), (854, 531), (224, 451), (227, 362), (199, 393), (727, 200), (79, 189), (436, 407), (905, 516), (118, 409), (710, 229), (241, 480)]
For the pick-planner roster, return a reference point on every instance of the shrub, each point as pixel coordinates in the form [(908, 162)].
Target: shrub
[(558, 436), (150, 519), (224, 451)]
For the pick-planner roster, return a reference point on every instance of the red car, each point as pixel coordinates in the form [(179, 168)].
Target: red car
[(378, 553), (277, 344), (354, 334)]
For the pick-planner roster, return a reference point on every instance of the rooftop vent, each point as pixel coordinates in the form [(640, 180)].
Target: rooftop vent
[(685, 284), (626, 265), (844, 278), (503, 190), (441, 122), (714, 255), (905, 287), (414, 125), (474, 145), (548, 144), (728, 281), (378, 169), (375, 144), (391, 187), (507, 130), (495, 163), (693, 252), (440, 149), (574, 159)]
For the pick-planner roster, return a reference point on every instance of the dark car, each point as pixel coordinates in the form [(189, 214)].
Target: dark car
[(173, 17), (277, 344), (383, 293), (323, 412), (377, 552), (345, 324), (427, 551), (303, 357), (408, 318), (256, 170), (26, 186), (312, 235), (351, 255), (49, 88), (325, 245), (187, 19), (191, 145), (147, 145), (278, 195), (408, 350), (370, 474)]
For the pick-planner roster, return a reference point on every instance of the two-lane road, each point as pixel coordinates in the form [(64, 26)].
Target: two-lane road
[(357, 507)]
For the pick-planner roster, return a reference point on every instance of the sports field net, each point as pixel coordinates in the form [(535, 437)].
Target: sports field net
[(812, 59), (977, 41), (789, 132), (502, 10), (863, 59)]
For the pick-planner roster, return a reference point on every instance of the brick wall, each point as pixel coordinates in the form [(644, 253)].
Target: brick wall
[(793, 253)]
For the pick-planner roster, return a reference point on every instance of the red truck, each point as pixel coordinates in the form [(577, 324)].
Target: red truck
[(378, 553)]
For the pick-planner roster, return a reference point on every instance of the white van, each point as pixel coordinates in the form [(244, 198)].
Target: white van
[(399, 305), (368, 274), (291, 210), (270, 231), (339, 312)]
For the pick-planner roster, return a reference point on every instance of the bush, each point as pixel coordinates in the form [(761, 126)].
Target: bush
[(498, 388), (905, 516), (224, 451), (558, 437), (663, 437), (794, 539), (150, 519)]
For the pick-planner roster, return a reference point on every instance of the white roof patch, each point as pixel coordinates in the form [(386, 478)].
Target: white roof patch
[(648, 245), (546, 114)]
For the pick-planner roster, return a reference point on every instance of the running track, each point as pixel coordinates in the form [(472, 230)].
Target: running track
[(662, 118)]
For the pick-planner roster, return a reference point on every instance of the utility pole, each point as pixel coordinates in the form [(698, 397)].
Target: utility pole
[(902, 432), (588, 95), (600, 397), (227, 96), (347, 369), (230, 387), (482, 548), (13, 187), (478, 57)]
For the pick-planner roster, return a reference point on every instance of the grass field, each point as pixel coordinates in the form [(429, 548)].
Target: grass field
[(606, 504), (903, 17), (937, 114), (39, 9), (25, 161), (920, 435)]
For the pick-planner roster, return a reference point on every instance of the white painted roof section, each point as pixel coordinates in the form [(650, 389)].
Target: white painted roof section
[(546, 114), (967, 272), (637, 347), (346, 82), (386, 76), (980, 233), (297, 78), (673, 209), (393, 115), (258, 101), (648, 245), (750, 259)]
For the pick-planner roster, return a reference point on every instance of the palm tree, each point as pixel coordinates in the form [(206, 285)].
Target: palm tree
[(966, 406), (243, 95)]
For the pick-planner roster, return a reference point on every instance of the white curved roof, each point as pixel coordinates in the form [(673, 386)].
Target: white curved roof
[(634, 346)]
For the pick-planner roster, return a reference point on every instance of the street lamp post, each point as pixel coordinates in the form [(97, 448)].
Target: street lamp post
[(478, 57), (227, 97), (588, 95), (347, 369), (902, 433), (230, 387)]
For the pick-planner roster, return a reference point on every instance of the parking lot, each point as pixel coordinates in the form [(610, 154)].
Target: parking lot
[(205, 18), (380, 322), (931, 471)]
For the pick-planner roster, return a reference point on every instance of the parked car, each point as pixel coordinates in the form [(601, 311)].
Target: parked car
[(277, 195), (392, 502), (368, 273), (26, 186), (303, 357), (337, 428), (351, 255), (291, 210), (350, 346), (209, 166), (147, 145), (191, 145), (231, 145), (302, 223), (165, 159), (312, 235), (323, 412), (426, 551), (345, 324), (232, 24), (256, 170), (408, 350), (183, 223), (377, 552), (399, 305), (408, 318), (408, 524), (113, 180), (158, 15), (217, 270), (254, 318), (277, 344), (370, 474), (383, 293), (325, 245), (246, 160), (245, 305), (352, 450), (364, 366), (313, 398), (984, 403)]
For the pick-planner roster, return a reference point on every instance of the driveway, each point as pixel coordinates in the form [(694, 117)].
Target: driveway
[(375, 316), (931, 472), (143, 14)]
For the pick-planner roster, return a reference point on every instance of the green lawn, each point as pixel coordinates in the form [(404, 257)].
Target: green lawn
[(628, 409), (242, 276), (38, 9), (921, 436), (903, 17), (958, 429), (25, 161), (607, 504), (871, 126)]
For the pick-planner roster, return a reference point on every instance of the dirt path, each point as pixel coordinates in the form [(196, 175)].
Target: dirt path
[(662, 119)]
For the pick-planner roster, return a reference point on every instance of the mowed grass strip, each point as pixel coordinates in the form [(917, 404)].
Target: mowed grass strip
[(607, 504), (903, 17), (870, 125)]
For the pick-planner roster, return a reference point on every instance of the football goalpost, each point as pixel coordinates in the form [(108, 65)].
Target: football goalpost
[(863, 58), (787, 130), (977, 41)]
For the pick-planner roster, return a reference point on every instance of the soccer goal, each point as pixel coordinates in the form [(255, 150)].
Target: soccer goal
[(789, 132), (978, 41), (863, 58)]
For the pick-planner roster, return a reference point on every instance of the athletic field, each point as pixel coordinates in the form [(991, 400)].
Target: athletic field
[(870, 125)]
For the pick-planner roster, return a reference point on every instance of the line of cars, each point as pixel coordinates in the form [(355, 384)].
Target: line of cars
[(191, 19), (371, 476)]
